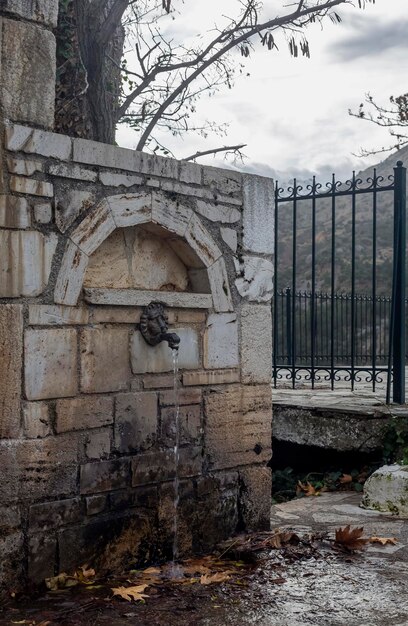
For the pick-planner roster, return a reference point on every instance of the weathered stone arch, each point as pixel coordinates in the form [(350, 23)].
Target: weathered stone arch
[(124, 210)]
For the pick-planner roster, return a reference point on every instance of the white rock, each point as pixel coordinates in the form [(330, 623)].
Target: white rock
[(170, 214), (51, 315), (256, 284), (230, 237), (387, 490)]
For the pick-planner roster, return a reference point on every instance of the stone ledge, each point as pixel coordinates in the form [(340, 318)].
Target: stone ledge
[(136, 297), (211, 377)]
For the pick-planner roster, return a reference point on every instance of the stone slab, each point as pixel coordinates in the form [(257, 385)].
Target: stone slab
[(28, 73), (230, 237), (139, 297), (69, 204), (180, 396), (116, 315), (221, 341), (223, 181), (202, 243), (11, 363), (65, 170), (14, 212), (26, 139), (256, 343), (211, 377), (94, 228), (112, 179), (71, 275), (238, 426), (24, 167), (49, 515), (98, 444), (130, 209), (190, 173), (220, 289), (105, 362), (190, 425), (43, 212), (258, 214), (104, 476), (34, 469), (218, 212), (136, 421), (25, 262), (54, 315), (36, 420), (328, 428), (83, 413), (50, 357), (157, 359)]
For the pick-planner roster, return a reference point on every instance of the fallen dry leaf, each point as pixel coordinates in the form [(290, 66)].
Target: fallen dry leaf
[(131, 593), (279, 539), (350, 539), (218, 577), (307, 489), (384, 540), (345, 479)]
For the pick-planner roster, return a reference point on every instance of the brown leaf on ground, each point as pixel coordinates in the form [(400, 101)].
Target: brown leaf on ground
[(384, 540), (345, 479), (307, 490), (279, 539), (218, 577), (131, 593), (350, 539)]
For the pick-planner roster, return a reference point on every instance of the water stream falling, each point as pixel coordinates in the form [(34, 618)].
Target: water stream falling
[(175, 568)]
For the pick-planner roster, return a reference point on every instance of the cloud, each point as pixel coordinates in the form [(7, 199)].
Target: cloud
[(370, 37)]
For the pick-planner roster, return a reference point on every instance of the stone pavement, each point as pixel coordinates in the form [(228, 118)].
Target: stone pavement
[(367, 589)]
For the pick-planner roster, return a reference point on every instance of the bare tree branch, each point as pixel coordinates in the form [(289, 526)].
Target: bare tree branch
[(234, 41), (236, 148)]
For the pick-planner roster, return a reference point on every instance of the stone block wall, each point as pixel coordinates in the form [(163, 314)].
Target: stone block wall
[(87, 408)]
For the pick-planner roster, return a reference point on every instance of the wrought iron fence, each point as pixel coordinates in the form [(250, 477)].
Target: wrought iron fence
[(372, 344), (333, 335)]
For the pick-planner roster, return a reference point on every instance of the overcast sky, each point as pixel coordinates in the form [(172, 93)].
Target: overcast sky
[(293, 113)]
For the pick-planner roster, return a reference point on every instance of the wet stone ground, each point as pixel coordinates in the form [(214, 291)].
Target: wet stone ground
[(300, 584)]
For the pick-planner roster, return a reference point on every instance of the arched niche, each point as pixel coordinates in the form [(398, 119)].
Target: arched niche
[(161, 219)]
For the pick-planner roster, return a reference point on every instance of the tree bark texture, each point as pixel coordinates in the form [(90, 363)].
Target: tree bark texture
[(88, 70)]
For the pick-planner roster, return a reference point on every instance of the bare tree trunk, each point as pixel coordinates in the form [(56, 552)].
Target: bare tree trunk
[(88, 75)]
